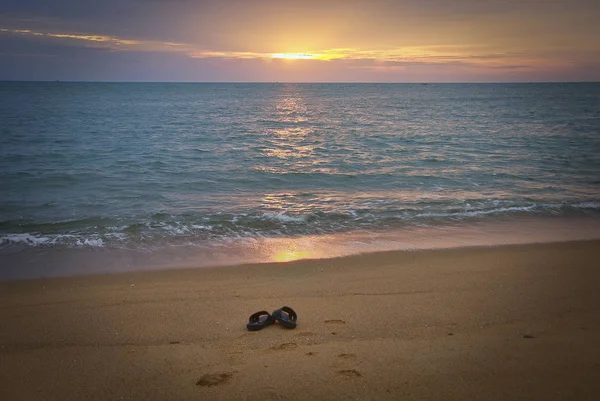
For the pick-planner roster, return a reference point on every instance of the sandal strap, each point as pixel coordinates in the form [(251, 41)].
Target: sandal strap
[(292, 315), (256, 316)]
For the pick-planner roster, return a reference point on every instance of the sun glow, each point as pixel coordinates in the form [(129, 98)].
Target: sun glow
[(324, 55), (295, 56)]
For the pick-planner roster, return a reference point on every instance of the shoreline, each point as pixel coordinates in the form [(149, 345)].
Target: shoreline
[(377, 254), (31, 263), (498, 323)]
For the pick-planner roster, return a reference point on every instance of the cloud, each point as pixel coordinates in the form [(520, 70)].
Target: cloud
[(370, 59), (95, 40), (309, 40)]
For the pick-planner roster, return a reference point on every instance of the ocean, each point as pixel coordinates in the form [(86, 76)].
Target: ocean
[(107, 177)]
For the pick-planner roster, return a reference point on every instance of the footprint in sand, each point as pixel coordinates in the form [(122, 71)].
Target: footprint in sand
[(347, 356), (350, 373), (284, 346), (213, 379)]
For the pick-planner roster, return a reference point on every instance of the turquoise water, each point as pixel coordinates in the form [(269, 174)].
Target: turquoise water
[(148, 166)]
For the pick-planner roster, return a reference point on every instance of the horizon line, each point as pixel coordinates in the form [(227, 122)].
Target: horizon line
[(300, 82)]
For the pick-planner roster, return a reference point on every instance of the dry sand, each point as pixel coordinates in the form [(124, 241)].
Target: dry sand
[(491, 323)]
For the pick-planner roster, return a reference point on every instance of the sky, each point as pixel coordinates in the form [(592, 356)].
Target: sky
[(300, 41)]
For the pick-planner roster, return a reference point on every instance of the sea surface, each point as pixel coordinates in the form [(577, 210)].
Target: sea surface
[(215, 169)]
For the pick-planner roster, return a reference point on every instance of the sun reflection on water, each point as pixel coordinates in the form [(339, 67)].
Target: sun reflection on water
[(291, 249), (289, 143), (291, 255), (290, 107), (290, 149)]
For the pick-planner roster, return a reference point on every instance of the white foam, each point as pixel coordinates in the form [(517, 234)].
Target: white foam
[(116, 235), (28, 239), (177, 230), (284, 218), (477, 213), (39, 240), (93, 242), (587, 205), (201, 227)]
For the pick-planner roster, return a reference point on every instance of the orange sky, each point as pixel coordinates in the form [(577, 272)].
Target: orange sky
[(309, 41)]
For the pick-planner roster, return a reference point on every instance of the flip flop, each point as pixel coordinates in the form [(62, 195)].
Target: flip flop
[(260, 320), (286, 317)]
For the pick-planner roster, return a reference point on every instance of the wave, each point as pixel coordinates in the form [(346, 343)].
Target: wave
[(587, 205), (56, 239), (198, 228)]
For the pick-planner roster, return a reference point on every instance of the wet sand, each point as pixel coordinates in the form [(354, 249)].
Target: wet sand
[(518, 322)]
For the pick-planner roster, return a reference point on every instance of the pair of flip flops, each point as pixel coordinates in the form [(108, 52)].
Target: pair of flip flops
[(284, 315)]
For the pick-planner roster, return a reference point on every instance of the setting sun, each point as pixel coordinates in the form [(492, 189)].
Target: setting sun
[(295, 56)]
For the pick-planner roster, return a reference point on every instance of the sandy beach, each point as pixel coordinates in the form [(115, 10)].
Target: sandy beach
[(518, 322)]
